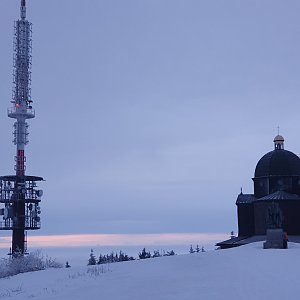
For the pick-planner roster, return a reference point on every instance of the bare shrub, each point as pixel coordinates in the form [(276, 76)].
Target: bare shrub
[(29, 263), (96, 271)]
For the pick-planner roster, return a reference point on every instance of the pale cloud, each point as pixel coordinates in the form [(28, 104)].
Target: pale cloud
[(77, 240)]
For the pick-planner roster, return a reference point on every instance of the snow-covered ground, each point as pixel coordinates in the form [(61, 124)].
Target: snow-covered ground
[(247, 272), (78, 256)]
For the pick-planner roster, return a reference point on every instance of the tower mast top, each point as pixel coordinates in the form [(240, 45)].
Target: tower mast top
[(23, 9)]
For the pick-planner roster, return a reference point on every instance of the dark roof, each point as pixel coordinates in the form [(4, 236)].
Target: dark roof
[(279, 195), (278, 162), (243, 240), (245, 198), (231, 242)]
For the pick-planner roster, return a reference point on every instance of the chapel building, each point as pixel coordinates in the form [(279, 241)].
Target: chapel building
[(276, 180)]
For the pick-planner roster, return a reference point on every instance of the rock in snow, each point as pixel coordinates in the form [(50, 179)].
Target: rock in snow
[(247, 272)]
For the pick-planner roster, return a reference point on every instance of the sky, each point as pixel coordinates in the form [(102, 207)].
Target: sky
[(151, 115)]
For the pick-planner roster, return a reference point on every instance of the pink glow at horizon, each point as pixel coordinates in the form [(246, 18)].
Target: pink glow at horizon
[(78, 240)]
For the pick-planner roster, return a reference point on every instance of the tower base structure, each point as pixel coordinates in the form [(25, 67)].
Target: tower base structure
[(19, 208)]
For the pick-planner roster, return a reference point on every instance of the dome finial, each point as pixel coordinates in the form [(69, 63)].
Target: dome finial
[(278, 141)]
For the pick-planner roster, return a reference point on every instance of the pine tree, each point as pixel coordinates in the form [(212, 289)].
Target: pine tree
[(144, 254), (192, 250), (112, 257), (100, 260), (92, 259)]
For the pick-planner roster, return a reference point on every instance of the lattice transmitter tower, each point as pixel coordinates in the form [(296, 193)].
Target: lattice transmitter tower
[(19, 195)]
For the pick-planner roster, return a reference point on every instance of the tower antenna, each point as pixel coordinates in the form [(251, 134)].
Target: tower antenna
[(23, 9), (19, 193)]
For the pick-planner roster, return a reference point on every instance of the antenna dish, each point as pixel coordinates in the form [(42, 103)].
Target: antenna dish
[(39, 193), (8, 212)]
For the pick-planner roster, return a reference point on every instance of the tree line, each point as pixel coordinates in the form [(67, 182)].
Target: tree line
[(121, 256), (144, 254)]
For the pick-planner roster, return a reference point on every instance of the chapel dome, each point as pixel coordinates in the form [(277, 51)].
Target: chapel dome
[(278, 162)]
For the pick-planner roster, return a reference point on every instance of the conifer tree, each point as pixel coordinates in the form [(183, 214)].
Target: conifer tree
[(92, 259), (100, 260), (192, 250), (144, 254)]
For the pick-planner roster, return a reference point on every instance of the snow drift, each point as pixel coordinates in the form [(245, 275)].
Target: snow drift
[(247, 272)]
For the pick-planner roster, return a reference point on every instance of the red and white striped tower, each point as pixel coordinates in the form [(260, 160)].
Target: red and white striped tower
[(21, 111), (18, 192)]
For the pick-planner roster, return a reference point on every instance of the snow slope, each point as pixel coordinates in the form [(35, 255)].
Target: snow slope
[(247, 272)]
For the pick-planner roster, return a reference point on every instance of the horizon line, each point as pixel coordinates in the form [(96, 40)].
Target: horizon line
[(114, 239)]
